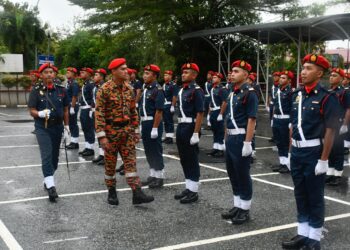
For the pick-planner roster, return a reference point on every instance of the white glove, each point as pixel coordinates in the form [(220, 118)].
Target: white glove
[(44, 113), (208, 120), (247, 148), (71, 111), (194, 139), (267, 108), (321, 167), (66, 133), (137, 105), (172, 109), (154, 133), (219, 119), (90, 113), (343, 129)]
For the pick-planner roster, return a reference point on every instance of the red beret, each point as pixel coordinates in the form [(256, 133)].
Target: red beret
[(347, 75), (152, 67), (115, 63), (89, 70), (218, 75), (101, 71), (277, 73), (252, 76), (71, 69), (339, 71), (130, 71), (35, 73), (192, 66), (242, 64), (169, 72), (317, 60), (288, 73), (45, 66), (210, 72)]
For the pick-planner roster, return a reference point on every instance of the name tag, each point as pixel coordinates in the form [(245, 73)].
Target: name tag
[(315, 102)]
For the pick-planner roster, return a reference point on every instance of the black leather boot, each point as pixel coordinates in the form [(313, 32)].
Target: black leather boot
[(157, 183), (181, 195), (52, 194), (139, 197), (112, 196), (149, 180), (230, 214), (73, 145), (241, 217), (189, 198), (295, 243), (98, 159)]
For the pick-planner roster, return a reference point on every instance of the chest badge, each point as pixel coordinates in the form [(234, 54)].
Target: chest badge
[(41, 92)]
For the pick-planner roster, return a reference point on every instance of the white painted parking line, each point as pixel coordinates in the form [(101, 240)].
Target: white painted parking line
[(262, 137), (9, 136), (63, 240), (60, 163), (8, 238), (291, 188), (243, 235), (100, 192)]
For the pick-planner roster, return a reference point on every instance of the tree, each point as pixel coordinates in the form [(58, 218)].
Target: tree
[(21, 30)]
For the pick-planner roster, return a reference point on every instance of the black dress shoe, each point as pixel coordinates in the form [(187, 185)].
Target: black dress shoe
[(181, 195), (276, 168), (101, 162), (230, 214), (157, 183), (213, 152), (295, 243), (73, 145), (112, 196), (283, 169), (82, 152), (149, 180), (329, 179), (33, 132), (336, 180), (189, 198), (346, 151), (241, 217), (272, 140), (88, 152), (139, 197), (98, 158), (52, 194), (219, 154), (312, 245), (168, 140)]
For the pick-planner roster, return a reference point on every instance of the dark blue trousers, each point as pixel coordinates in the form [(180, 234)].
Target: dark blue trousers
[(238, 167), (168, 120), (308, 188), (336, 157), (87, 125), (49, 140), (281, 135), (207, 101), (188, 153), (217, 127), (73, 122), (153, 147)]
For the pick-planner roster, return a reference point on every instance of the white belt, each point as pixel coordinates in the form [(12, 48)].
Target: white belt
[(167, 103), (207, 95), (233, 131), (306, 143), (216, 108), (186, 120), (85, 107), (148, 118), (281, 116)]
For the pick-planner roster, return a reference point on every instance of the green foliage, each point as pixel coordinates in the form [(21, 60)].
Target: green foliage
[(25, 82), (9, 81)]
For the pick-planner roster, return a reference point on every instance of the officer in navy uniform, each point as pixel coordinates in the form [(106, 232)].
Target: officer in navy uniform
[(274, 88), (242, 105), (314, 119), (191, 106), (136, 84), (72, 94), (218, 94), (229, 85), (48, 105), (336, 157), (281, 119), (170, 91), (207, 100), (86, 109), (345, 84), (151, 111), (99, 80)]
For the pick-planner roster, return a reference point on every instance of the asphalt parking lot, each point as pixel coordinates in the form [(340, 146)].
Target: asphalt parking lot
[(82, 219)]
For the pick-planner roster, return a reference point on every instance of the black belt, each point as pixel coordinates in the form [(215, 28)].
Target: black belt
[(119, 124), (51, 121)]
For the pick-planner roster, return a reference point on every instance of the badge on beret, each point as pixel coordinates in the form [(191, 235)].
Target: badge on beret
[(337, 70), (313, 58), (242, 63), (188, 65), (148, 67), (286, 72)]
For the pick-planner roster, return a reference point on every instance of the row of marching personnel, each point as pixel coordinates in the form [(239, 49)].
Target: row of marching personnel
[(309, 124)]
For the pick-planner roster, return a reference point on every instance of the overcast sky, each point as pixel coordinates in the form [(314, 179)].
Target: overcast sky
[(61, 14)]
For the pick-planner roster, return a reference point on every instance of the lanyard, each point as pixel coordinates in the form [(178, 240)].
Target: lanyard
[(300, 110), (231, 113), (181, 108)]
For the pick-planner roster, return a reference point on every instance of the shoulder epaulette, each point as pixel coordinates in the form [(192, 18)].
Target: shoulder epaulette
[(197, 87), (251, 89)]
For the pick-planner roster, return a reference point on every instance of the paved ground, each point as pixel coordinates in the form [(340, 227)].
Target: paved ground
[(82, 219)]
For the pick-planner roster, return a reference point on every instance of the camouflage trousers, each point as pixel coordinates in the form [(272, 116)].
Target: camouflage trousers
[(121, 141)]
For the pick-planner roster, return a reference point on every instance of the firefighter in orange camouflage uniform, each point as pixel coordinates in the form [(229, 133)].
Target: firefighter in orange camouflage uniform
[(116, 123)]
